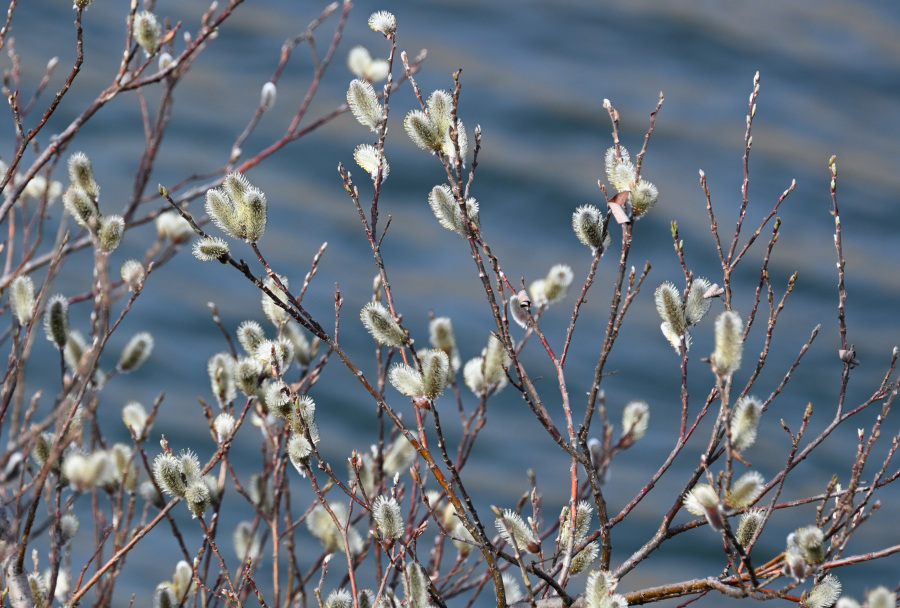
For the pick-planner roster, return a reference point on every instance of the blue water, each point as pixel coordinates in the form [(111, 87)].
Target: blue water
[(534, 77)]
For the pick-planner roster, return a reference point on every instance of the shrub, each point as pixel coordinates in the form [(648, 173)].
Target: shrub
[(397, 525)]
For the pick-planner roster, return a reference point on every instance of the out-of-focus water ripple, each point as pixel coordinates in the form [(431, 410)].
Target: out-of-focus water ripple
[(535, 74)]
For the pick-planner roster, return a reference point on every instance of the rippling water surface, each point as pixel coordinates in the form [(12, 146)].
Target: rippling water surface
[(534, 77)]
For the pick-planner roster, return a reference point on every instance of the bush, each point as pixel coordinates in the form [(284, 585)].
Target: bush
[(397, 525)]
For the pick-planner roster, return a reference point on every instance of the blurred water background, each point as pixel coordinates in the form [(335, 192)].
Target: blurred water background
[(534, 77)]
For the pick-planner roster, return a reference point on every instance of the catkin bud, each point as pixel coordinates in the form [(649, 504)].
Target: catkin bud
[(247, 545), (668, 305), (305, 417), (745, 490), (511, 527), (582, 560), (21, 298), (447, 211), (384, 22), (171, 225), (250, 334), (557, 282), (440, 105), (729, 343), (370, 159), (41, 450), (435, 372), (643, 197), (267, 95), (358, 61), (56, 320), (387, 516), (583, 512), (40, 594), (423, 131), (164, 596), (339, 598), (321, 526), (823, 595), (406, 379), (750, 521), (619, 171), (399, 456), (132, 273), (364, 104), (222, 212), (299, 450), (224, 426), (221, 377), (149, 493), (210, 248), (378, 321), (881, 597), (81, 207), (81, 174), (146, 31), (697, 304), (811, 542), (635, 417), (587, 222), (182, 580), (110, 232), (81, 4), (744, 422), (136, 352), (303, 350), (196, 495), (246, 374), (68, 525), (599, 590), (462, 143), (252, 213), (278, 399), (275, 313), (165, 60), (135, 418), (167, 473), (440, 333), (415, 585), (703, 500), (496, 360)]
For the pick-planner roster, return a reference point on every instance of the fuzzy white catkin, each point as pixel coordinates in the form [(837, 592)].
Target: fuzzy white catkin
[(21, 298), (729, 343)]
